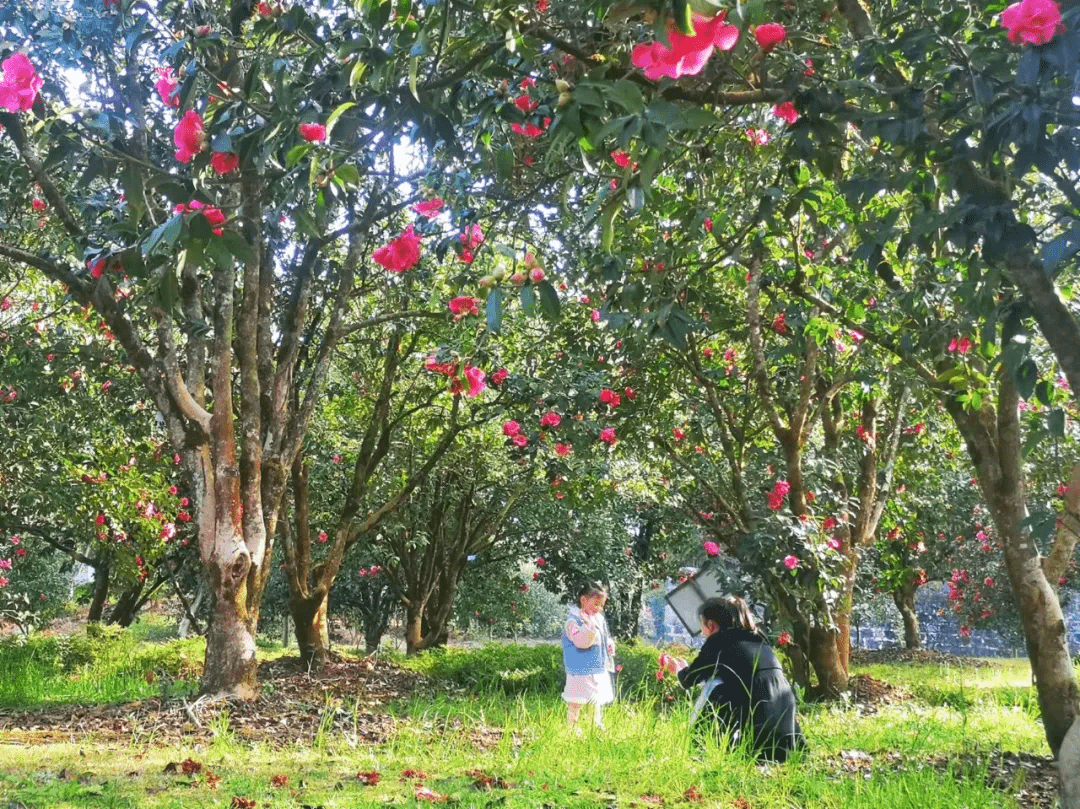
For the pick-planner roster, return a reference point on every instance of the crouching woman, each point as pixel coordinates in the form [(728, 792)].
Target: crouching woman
[(745, 690)]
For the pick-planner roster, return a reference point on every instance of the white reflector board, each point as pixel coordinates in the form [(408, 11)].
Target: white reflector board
[(691, 594)]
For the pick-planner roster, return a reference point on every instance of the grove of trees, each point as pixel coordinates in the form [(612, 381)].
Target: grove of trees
[(362, 298)]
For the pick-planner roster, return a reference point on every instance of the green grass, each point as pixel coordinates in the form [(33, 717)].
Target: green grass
[(499, 713)]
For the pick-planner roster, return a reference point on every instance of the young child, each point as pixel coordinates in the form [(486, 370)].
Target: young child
[(588, 655)]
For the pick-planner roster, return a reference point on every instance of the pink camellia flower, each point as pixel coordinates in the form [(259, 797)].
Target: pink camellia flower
[(791, 562), (678, 434), (550, 419), (783, 639), (779, 492), (541, 5), (770, 35), (510, 428), (4, 581), (833, 543), (607, 435), (323, 536), (471, 240), (429, 207), (536, 275), (1033, 22), (621, 158), (687, 54), (562, 450), (758, 137), (312, 133), (166, 85), (402, 253), (168, 531), (711, 548), (594, 315), (38, 204), (476, 381), (464, 305), (786, 112), (520, 440), (20, 85), (189, 136), (224, 162)]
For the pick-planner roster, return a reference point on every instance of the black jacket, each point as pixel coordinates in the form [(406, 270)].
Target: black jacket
[(754, 697)]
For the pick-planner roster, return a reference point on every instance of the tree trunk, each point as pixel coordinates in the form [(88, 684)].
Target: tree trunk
[(309, 617), (414, 635), (185, 626), (993, 442), (101, 592), (905, 603), (828, 663), (127, 606), (230, 664), (1069, 768), (1044, 634)]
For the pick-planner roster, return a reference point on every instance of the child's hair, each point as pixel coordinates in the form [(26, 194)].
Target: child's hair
[(591, 588), (728, 612)]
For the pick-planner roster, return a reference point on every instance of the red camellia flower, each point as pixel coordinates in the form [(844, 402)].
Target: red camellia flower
[(313, 133), (786, 112), (687, 54), (213, 215), (791, 562), (607, 435), (499, 376), (189, 136), (224, 162), (711, 548), (429, 207), (20, 84), (622, 159), (323, 537), (528, 130), (402, 253), (1033, 22), (464, 305), (166, 86), (770, 35), (510, 428), (526, 104), (783, 639), (38, 204), (562, 450), (520, 439)]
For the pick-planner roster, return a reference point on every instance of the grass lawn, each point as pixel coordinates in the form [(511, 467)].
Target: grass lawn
[(500, 742)]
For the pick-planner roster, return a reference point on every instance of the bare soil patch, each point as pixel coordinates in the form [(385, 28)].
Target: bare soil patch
[(348, 696)]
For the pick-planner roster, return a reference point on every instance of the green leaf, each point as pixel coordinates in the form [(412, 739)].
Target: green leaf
[(684, 16), (528, 299), (504, 163), (222, 143), (1027, 374), (549, 300), (648, 167), (295, 153), (239, 247), (494, 310), (1055, 422), (169, 291), (635, 198), (414, 69), (348, 174), (164, 234), (607, 222), (332, 118)]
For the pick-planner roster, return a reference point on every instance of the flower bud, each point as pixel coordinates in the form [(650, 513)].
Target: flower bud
[(562, 85)]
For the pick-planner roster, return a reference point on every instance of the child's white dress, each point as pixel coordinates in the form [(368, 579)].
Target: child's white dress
[(582, 689)]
